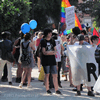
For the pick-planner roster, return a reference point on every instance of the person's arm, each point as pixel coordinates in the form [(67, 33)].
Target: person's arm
[(15, 43), (72, 41), (32, 45), (48, 52)]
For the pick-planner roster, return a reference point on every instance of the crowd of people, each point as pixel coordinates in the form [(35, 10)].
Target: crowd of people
[(48, 51)]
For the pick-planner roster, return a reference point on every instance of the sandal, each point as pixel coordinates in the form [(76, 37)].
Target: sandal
[(20, 85), (29, 86)]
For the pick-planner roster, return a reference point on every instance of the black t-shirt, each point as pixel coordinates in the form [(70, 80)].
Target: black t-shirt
[(48, 60)]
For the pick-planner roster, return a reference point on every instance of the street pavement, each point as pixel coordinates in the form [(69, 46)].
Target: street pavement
[(38, 91)]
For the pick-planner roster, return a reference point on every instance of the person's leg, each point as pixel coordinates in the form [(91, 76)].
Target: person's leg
[(59, 68), (70, 76), (24, 75), (65, 77), (78, 91), (47, 81), (51, 85), (5, 73), (55, 80), (90, 93), (39, 63), (29, 76), (78, 87), (2, 63), (9, 66), (19, 73), (46, 70), (54, 74)]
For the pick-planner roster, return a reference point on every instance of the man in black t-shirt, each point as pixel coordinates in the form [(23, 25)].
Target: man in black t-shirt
[(48, 59)]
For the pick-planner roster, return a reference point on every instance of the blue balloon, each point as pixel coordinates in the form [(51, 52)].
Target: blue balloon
[(65, 32), (33, 24), (25, 28)]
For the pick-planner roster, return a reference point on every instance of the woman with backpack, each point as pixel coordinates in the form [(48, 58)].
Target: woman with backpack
[(27, 60)]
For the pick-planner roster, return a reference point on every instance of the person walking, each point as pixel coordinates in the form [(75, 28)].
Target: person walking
[(27, 69), (6, 44)]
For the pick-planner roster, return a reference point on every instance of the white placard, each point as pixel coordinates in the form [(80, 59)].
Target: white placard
[(70, 17), (83, 64)]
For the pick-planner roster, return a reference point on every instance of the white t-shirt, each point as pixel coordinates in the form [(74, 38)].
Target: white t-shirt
[(34, 38), (58, 48)]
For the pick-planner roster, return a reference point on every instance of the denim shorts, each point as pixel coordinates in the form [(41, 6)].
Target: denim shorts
[(50, 69)]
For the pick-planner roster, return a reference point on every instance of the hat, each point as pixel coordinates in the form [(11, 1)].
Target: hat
[(55, 31), (80, 37), (6, 32)]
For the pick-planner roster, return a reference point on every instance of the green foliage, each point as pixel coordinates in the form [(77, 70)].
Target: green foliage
[(96, 14), (94, 25), (44, 9), (48, 9), (13, 13), (73, 2)]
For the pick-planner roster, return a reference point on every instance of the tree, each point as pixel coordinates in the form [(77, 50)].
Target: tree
[(73, 2), (45, 10), (96, 13), (13, 13)]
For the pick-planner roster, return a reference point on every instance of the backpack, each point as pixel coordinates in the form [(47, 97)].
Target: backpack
[(6, 55), (25, 58)]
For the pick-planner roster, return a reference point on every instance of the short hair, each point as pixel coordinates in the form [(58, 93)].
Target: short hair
[(21, 34), (83, 31), (46, 31), (27, 36), (36, 33), (76, 30), (94, 37), (86, 36), (4, 35)]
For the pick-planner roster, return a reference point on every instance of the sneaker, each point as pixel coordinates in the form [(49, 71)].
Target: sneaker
[(58, 92), (75, 89), (10, 83), (90, 93), (4, 80), (97, 93), (71, 85), (49, 92), (20, 85), (78, 93), (60, 85)]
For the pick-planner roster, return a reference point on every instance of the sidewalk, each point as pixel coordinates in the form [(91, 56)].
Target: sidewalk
[(38, 92)]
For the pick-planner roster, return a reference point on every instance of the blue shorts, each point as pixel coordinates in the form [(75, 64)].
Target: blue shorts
[(50, 69)]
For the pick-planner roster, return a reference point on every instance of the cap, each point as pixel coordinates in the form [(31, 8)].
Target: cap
[(80, 37), (55, 31), (6, 32)]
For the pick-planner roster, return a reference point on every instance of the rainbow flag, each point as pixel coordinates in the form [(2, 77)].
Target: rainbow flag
[(65, 4)]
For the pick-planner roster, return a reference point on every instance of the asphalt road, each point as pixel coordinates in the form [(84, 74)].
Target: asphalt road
[(38, 92)]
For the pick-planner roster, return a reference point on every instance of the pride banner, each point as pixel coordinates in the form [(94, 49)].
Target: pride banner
[(65, 4)]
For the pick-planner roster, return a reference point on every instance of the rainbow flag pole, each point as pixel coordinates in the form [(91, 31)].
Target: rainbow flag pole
[(65, 4)]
